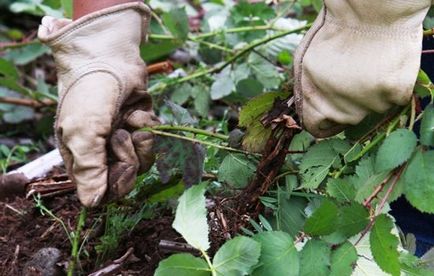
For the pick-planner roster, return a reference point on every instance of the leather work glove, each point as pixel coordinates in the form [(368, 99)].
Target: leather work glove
[(359, 57), (102, 99)]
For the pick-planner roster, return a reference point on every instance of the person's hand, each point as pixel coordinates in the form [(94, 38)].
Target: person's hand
[(360, 56), (102, 99)]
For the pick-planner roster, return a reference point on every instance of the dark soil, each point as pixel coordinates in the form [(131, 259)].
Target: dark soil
[(24, 231)]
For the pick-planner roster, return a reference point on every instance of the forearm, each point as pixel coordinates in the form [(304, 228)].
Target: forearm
[(83, 7)]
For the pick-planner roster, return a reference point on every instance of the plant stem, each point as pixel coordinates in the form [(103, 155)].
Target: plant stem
[(247, 49), (192, 130), (168, 134), (76, 241), (208, 261)]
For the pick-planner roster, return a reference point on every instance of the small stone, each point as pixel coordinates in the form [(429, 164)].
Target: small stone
[(44, 263)]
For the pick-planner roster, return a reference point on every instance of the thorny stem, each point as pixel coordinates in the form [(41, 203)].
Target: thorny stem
[(382, 203), (374, 142), (192, 130), (76, 241), (168, 134), (202, 73)]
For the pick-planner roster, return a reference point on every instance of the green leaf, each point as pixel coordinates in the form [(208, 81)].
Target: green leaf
[(249, 88), (366, 179), (257, 107), (317, 162), (419, 179), (202, 99), (323, 220), (176, 20), (8, 69), (67, 8), (256, 135), (427, 127), (278, 255), (191, 217), (182, 116), (315, 259), (341, 189), (352, 219), (290, 215), (181, 94), (264, 71), (26, 54), (223, 85), (183, 265), (237, 256), (237, 170), (343, 260), (395, 150), (384, 245)]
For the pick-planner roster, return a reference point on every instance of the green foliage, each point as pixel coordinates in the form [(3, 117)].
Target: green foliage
[(183, 265), (236, 170), (388, 156), (427, 127), (237, 257), (315, 258), (323, 220), (278, 255), (343, 260), (384, 245), (190, 220), (419, 179), (176, 21)]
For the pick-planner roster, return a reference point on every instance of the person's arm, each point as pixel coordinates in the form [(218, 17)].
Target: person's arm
[(83, 7)]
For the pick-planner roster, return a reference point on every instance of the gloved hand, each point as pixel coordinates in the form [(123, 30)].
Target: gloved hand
[(360, 56), (102, 98)]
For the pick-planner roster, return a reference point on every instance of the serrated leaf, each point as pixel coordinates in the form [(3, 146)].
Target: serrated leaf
[(352, 219), (366, 179), (183, 265), (182, 116), (223, 85), (384, 245), (315, 259), (427, 127), (323, 220), (278, 255), (419, 179), (181, 94), (264, 71), (191, 217), (343, 260), (237, 256), (176, 20), (341, 189), (236, 170), (316, 163), (290, 216), (256, 135), (173, 155), (395, 150), (257, 107)]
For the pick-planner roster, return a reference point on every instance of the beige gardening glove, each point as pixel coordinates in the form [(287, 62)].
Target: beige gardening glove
[(360, 56), (102, 99)]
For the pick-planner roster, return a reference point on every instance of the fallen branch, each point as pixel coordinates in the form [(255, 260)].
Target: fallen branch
[(172, 247), (115, 267)]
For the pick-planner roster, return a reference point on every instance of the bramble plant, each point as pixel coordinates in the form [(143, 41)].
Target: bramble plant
[(326, 209)]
